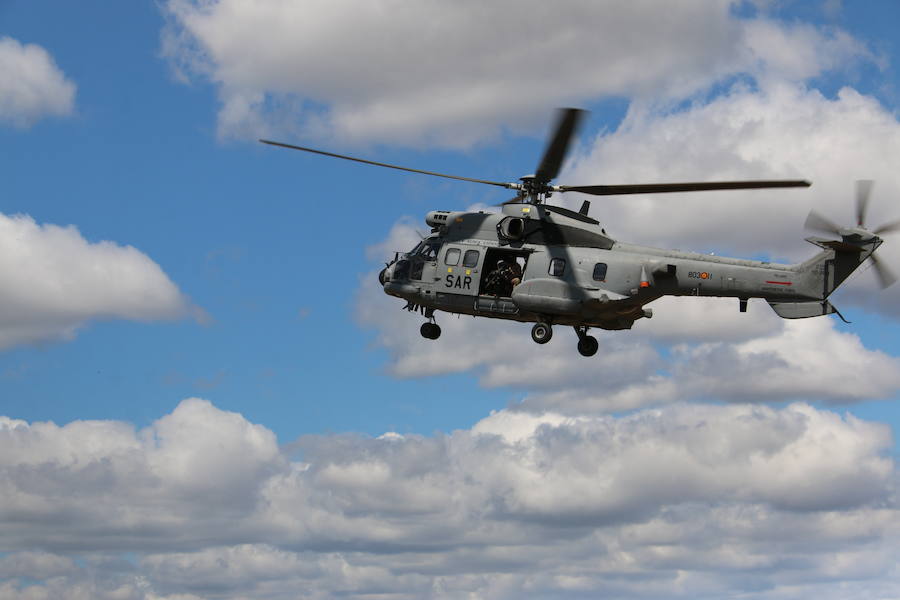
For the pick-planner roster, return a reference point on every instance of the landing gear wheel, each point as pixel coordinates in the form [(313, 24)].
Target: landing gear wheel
[(541, 333), (587, 345), (430, 331)]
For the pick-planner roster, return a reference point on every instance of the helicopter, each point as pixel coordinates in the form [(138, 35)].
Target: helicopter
[(541, 263)]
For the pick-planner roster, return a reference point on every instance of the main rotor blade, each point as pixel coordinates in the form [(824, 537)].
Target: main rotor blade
[(817, 222), (886, 277), (555, 153), (863, 190), (658, 188), (390, 166), (887, 228)]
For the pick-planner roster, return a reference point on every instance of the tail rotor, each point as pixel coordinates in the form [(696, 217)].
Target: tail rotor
[(892, 227), (859, 234), (886, 277), (863, 191), (816, 222)]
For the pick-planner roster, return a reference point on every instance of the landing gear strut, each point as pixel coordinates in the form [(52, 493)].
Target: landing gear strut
[(587, 344), (541, 333)]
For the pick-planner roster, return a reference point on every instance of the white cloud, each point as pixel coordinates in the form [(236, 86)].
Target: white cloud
[(678, 320), (453, 74), (806, 359), (797, 52), (31, 85), (53, 281), (691, 501), (36, 565), (803, 352)]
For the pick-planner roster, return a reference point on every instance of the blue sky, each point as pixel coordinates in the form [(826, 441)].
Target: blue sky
[(273, 256), (263, 235), (250, 284)]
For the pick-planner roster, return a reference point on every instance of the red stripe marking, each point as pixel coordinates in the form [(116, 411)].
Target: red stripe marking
[(780, 282)]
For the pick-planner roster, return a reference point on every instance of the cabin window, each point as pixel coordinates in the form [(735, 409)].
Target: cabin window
[(600, 272), (557, 267), (471, 258), (452, 257)]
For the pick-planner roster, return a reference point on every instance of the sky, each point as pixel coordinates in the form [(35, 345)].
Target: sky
[(205, 394)]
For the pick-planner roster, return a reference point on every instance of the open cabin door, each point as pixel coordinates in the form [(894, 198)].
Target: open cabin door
[(502, 270)]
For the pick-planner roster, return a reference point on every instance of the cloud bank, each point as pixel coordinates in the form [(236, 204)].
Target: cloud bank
[(31, 85), (690, 501), (53, 281), (453, 74)]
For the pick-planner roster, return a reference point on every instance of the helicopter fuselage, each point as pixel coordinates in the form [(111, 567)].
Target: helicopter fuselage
[(562, 268)]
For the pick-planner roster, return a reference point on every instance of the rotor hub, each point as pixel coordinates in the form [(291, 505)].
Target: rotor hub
[(533, 190)]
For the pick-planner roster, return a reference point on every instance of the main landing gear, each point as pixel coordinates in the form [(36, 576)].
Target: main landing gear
[(587, 344), (541, 333)]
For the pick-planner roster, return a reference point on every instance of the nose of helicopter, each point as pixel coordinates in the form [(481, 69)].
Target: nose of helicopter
[(382, 276)]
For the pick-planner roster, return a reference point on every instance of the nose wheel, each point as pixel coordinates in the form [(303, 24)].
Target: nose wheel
[(430, 331), (587, 344)]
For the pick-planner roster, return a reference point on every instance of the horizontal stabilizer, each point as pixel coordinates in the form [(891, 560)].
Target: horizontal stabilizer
[(836, 245), (802, 310)]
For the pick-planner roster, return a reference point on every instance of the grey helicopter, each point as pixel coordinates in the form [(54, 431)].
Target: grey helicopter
[(545, 264)]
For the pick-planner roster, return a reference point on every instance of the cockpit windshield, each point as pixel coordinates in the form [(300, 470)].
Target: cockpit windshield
[(427, 249)]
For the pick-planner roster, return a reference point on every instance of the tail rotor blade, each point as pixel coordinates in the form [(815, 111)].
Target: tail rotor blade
[(558, 146), (863, 191), (886, 277), (817, 222), (891, 227)]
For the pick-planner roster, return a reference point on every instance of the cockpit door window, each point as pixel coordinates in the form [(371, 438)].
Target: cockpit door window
[(470, 259), (451, 259)]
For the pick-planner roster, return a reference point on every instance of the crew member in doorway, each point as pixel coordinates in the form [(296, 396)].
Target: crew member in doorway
[(505, 276)]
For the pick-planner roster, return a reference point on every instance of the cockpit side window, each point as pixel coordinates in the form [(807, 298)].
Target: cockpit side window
[(600, 272), (427, 249)]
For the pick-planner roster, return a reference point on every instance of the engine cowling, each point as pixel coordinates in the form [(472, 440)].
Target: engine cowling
[(511, 228)]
